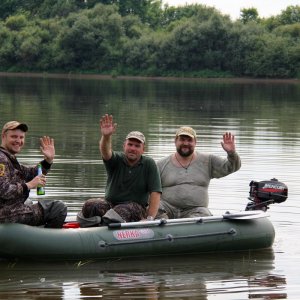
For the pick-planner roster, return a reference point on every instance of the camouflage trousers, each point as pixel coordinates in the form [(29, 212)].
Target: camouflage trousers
[(25, 214), (50, 213), (129, 211)]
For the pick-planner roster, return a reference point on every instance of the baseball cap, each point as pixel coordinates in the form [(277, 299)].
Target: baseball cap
[(136, 135), (185, 130), (14, 125)]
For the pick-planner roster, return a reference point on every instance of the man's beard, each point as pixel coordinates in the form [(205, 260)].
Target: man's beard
[(185, 153)]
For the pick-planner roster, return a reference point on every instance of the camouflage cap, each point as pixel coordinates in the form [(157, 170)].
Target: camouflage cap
[(11, 125), (185, 130), (136, 135)]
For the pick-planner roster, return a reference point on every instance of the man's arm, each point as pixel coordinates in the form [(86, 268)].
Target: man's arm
[(105, 147), (154, 200), (107, 128)]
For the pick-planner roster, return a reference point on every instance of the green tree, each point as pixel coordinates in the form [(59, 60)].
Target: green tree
[(6, 48), (140, 55), (195, 45), (7, 8), (291, 30), (58, 8), (133, 27), (11, 7), (16, 22), (176, 14), (290, 15), (140, 37), (272, 59), (90, 39), (249, 15), (242, 41)]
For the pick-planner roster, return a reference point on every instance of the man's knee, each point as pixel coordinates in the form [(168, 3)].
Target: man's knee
[(197, 212), (94, 207), (131, 212), (162, 214), (55, 213)]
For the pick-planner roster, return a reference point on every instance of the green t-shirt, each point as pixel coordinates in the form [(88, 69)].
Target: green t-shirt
[(131, 184)]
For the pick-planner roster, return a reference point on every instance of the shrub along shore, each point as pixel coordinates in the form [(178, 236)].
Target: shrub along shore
[(145, 39)]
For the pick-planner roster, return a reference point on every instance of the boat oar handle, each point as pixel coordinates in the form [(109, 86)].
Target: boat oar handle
[(245, 215), (157, 222)]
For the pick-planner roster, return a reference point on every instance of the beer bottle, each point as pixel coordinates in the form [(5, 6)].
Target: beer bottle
[(40, 190)]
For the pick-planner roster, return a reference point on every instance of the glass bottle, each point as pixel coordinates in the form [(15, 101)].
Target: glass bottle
[(40, 190)]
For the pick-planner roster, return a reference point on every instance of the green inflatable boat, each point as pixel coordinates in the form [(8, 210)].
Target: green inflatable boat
[(230, 232), (246, 230)]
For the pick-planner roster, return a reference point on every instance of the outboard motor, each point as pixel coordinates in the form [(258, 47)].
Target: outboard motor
[(264, 193)]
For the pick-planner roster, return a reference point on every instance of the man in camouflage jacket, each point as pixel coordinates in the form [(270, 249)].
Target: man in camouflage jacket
[(16, 181)]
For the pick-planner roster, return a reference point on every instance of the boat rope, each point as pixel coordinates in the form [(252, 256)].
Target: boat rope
[(168, 237)]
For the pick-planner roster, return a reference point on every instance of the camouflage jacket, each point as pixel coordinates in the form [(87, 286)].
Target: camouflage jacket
[(13, 177)]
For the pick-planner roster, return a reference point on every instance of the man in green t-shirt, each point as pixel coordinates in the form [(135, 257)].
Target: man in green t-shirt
[(133, 185)]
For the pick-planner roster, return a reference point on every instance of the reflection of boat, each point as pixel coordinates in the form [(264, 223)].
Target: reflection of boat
[(230, 232), (140, 278)]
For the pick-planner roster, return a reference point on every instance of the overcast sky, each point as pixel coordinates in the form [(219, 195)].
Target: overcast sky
[(265, 8)]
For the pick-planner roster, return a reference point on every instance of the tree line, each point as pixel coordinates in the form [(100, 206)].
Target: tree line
[(145, 38)]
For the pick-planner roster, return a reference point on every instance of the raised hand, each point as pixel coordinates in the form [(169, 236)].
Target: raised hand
[(107, 125), (47, 148), (228, 143)]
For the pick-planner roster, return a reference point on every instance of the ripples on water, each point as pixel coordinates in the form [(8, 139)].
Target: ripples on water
[(192, 277)]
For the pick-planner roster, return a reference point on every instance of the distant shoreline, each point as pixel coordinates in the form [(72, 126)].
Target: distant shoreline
[(110, 77)]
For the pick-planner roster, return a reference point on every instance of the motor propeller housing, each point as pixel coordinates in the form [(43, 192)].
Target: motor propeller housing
[(264, 193)]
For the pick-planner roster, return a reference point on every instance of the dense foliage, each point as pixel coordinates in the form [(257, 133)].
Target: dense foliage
[(142, 37)]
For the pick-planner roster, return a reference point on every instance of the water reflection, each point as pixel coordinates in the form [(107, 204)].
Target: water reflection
[(273, 282), (193, 277)]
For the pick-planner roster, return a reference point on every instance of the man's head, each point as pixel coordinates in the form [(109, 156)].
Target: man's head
[(185, 141), (13, 136), (134, 146)]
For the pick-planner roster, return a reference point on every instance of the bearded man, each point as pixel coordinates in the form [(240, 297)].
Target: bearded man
[(186, 174)]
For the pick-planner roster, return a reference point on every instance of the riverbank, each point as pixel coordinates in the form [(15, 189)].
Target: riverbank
[(109, 77)]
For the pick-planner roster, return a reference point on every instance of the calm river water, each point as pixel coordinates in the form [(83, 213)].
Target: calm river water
[(263, 115)]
